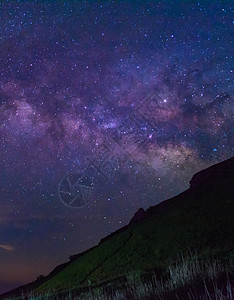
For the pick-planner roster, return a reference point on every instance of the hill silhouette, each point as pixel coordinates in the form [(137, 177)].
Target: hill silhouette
[(199, 219)]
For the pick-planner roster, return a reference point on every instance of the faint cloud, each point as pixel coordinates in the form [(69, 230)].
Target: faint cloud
[(7, 247)]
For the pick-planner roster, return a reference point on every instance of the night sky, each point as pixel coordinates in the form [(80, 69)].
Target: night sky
[(119, 101)]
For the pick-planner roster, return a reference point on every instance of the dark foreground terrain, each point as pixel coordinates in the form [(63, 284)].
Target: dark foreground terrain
[(182, 248)]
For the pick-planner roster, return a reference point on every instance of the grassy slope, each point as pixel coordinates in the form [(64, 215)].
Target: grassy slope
[(200, 219)]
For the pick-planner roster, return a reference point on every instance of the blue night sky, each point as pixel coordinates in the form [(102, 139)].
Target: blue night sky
[(135, 95)]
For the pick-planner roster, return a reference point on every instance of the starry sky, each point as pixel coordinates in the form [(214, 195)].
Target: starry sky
[(136, 95)]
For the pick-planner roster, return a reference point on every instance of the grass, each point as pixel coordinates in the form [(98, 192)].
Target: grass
[(187, 278)]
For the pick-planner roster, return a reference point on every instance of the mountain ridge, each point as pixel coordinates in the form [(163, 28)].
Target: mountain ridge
[(218, 177)]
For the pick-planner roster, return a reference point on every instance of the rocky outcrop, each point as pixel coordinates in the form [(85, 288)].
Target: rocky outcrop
[(138, 216), (221, 172)]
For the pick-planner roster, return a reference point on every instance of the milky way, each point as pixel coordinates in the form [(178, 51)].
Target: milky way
[(139, 91)]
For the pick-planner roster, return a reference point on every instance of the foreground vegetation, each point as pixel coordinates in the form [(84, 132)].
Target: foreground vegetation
[(187, 278)]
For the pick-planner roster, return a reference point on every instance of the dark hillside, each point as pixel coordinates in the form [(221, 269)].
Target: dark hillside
[(200, 219)]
